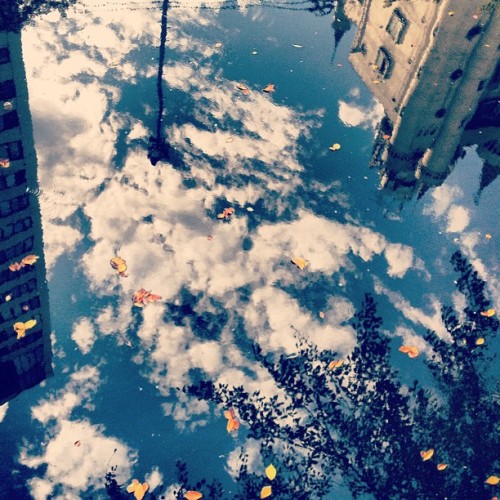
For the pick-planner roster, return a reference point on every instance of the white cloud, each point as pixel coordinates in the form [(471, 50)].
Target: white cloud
[(400, 259), (356, 115), (3, 411), (442, 198), (458, 219), (83, 334)]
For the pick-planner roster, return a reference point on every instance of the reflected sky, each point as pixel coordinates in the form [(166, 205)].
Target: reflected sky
[(226, 282)]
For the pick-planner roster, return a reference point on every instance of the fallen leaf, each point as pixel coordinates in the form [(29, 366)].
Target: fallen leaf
[(376, 81), (480, 341), (232, 422), (427, 454), (334, 147), (412, 351), (489, 313), (441, 466), (192, 495), (15, 266), (322, 315), (77, 443), (142, 297), (8, 297), (254, 52), (266, 491), (30, 324), (493, 480), (269, 88), (210, 237), (120, 265), (29, 260), (138, 489), (20, 327), (244, 89), (488, 236), (335, 364), (386, 137), (451, 13), (4, 163), (226, 213), (7, 105), (300, 262), (271, 472), (297, 46), (218, 45)]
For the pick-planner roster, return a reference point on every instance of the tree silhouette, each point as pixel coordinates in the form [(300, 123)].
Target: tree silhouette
[(358, 424)]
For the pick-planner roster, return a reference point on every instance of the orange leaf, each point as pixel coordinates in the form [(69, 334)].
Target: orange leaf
[(322, 315), (192, 495), (441, 466), (335, 147), (335, 364), (29, 260), (266, 491), (427, 454), (15, 266), (412, 351), (480, 341), (4, 163), (488, 236), (138, 489), (489, 313), (300, 262), (269, 88), (493, 480), (232, 422)]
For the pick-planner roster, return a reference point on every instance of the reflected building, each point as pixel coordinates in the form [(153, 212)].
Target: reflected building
[(25, 355), (434, 67)]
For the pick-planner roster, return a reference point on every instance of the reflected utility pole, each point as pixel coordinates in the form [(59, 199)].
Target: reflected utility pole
[(158, 147)]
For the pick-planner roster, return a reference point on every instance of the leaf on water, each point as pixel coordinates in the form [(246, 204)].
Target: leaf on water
[(29, 324), (29, 260), (334, 147), (269, 88), (232, 422), (297, 46), (77, 443), (266, 491), (4, 163), (138, 489), (322, 315), (488, 236), (480, 341), (192, 495), (386, 137), (441, 466), (300, 262), (335, 364), (20, 327), (427, 454), (226, 213), (451, 13), (493, 480), (271, 472), (120, 265), (15, 266), (142, 297), (489, 313), (218, 45), (412, 351), (244, 89)]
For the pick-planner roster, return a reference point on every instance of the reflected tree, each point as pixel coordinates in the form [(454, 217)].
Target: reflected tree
[(355, 422), (14, 14)]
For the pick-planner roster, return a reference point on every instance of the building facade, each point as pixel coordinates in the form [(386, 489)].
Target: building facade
[(434, 67), (25, 347)]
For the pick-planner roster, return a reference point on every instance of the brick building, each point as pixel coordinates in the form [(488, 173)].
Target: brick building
[(434, 67), (25, 356)]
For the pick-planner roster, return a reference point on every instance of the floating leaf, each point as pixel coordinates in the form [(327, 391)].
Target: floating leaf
[(427, 454), (266, 491), (441, 466), (142, 297), (489, 313), (120, 265), (8, 297), (15, 266), (271, 472), (335, 364), (7, 105), (138, 489), (218, 45), (386, 137), (480, 341), (77, 443), (4, 163), (300, 262), (297, 46), (192, 495), (232, 422), (29, 260), (334, 147), (29, 324), (20, 327), (451, 13), (488, 236), (269, 88), (226, 213), (322, 315), (412, 351), (244, 89), (493, 480)]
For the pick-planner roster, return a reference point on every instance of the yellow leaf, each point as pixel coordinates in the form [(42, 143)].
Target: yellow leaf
[(335, 364), (488, 236), (322, 315), (427, 454), (29, 324), (20, 329), (269, 88), (412, 351), (271, 472), (29, 260), (334, 147), (451, 13), (441, 466), (266, 492), (480, 341), (218, 45), (493, 480), (489, 313), (138, 489), (192, 495), (300, 262), (4, 163), (132, 485)]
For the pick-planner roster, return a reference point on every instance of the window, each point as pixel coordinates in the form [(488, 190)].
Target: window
[(7, 90), (4, 55), (9, 120), (384, 62), (12, 150), (397, 26)]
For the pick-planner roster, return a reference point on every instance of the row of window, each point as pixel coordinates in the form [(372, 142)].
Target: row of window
[(12, 180), (20, 290), (9, 121), (10, 254), (7, 275), (16, 227), (13, 313), (12, 151), (10, 207)]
